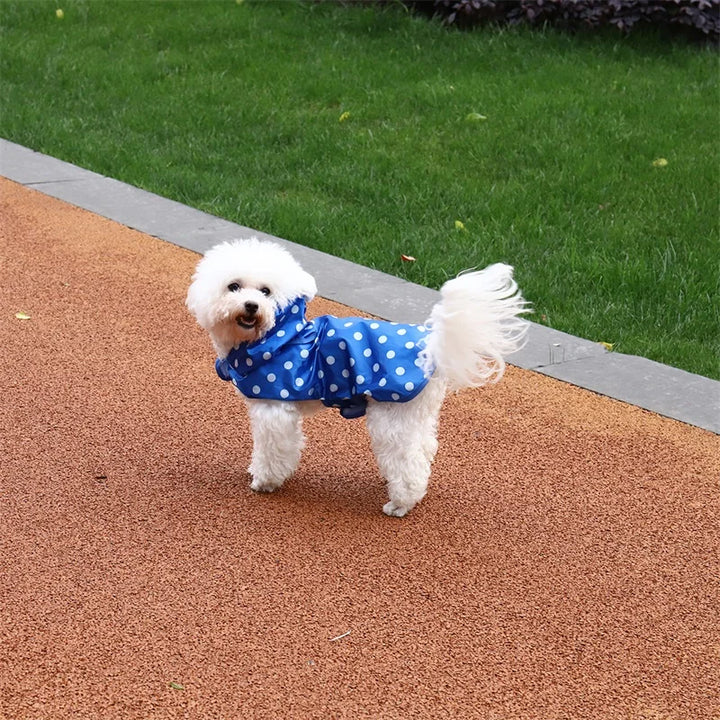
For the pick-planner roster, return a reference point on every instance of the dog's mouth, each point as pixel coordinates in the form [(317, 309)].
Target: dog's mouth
[(246, 322)]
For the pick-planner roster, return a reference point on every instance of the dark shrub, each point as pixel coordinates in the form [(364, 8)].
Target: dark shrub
[(700, 17)]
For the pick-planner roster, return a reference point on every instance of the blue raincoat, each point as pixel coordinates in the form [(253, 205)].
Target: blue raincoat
[(339, 361)]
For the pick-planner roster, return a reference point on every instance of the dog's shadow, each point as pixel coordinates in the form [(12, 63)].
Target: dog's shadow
[(326, 482)]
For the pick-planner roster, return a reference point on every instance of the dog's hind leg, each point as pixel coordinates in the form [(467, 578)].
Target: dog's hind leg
[(277, 443), (404, 440)]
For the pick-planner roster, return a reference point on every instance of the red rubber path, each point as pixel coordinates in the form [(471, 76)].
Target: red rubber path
[(565, 564)]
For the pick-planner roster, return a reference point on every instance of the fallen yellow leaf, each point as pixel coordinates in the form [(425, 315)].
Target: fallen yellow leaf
[(459, 225), (344, 116), (608, 346), (475, 117), (407, 258), (22, 316), (660, 162), (59, 14)]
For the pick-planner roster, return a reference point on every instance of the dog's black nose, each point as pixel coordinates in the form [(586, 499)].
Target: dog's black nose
[(251, 308)]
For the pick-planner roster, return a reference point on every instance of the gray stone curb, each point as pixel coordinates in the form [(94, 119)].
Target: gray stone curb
[(659, 388)]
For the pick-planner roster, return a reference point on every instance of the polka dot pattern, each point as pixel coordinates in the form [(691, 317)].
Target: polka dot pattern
[(333, 359)]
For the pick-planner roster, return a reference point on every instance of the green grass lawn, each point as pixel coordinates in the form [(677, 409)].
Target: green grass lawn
[(368, 133)]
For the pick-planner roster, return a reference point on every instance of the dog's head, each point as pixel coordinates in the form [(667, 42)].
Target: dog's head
[(240, 286)]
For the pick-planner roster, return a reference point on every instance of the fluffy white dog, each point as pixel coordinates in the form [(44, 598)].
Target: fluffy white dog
[(250, 297)]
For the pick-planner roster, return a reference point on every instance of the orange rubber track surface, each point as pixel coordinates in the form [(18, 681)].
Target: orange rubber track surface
[(565, 563)]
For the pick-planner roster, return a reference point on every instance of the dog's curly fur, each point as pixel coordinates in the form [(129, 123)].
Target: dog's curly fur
[(240, 286)]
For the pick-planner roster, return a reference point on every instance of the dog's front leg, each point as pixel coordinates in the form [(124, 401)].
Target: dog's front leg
[(277, 442)]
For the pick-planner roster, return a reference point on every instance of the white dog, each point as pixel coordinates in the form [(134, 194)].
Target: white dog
[(250, 297)]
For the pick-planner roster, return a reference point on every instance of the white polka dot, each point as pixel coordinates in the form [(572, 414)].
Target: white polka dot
[(360, 379), (299, 382), (422, 328), (382, 339), (333, 387), (400, 370), (321, 374), (330, 333), (299, 327), (256, 389), (395, 396), (234, 382), (409, 386), (402, 331), (358, 336), (284, 394), (418, 362), (368, 393), (288, 365), (374, 326), (304, 353), (236, 362), (267, 355), (376, 367), (367, 352), (348, 324), (346, 373), (281, 333), (342, 345), (271, 378), (352, 362), (409, 345), (294, 309), (390, 354), (382, 382), (311, 391), (249, 362), (330, 360)]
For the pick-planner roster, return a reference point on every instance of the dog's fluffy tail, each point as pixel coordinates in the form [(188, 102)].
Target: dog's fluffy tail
[(474, 326)]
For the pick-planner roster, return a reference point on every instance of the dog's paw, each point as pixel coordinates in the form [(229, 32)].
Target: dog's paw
[(394, 510), (264, 486)]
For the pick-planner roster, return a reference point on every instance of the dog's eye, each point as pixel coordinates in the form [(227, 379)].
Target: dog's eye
[(265, 291), (234, 287)]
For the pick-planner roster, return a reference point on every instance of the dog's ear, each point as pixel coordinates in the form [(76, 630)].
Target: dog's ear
[(308, 288)]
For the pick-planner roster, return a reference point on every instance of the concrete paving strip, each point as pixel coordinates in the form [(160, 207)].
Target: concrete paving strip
[(662, 389)]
